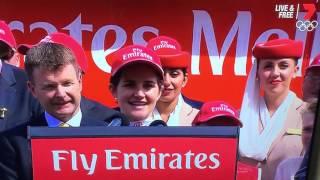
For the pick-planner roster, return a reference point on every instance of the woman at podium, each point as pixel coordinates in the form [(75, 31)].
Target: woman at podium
[(136, 83), (270, 111)]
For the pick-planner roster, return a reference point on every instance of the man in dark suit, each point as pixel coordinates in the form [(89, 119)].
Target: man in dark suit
[(82, 61), (56, 81), (17, 105)]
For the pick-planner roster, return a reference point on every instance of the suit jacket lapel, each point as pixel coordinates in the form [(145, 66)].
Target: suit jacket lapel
[(85, 106), (8, 75), (89, 121), (186, 111), (88, 114), (289, 122), (40, 121), (7, 90)]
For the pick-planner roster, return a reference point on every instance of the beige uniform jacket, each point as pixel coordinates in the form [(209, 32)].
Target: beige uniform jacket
[(288, 143), (187, 114)]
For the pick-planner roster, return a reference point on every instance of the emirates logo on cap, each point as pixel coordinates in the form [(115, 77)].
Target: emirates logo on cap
[(2, 32), (164, 44), (47, 39), (137, 53), (224, 108)]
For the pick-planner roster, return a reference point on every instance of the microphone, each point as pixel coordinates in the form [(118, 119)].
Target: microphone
[(159, 123), (119, 122)]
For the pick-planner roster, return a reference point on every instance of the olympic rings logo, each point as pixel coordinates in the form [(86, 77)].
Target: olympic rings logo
[(306, 25)]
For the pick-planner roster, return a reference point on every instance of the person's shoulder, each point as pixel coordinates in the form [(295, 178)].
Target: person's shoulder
[(19, 131), (293, 160), (18, 73), (91, 106), (298, 103), (193, 103), (15, 76), (288, 167), (95, 110)]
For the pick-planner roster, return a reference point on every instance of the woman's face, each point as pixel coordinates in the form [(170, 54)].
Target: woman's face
[(137, 92), (174, 81), (275, 75)]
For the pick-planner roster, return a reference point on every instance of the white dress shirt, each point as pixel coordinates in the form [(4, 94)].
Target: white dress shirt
[(73, 122)]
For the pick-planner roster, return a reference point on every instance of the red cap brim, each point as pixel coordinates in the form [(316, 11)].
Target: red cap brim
[(208, 119)]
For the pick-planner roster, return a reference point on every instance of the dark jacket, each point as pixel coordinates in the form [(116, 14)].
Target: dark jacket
[(15, 97), (15, 151), (193, 103)]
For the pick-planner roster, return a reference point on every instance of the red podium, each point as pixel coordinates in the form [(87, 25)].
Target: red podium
[(96, 153)]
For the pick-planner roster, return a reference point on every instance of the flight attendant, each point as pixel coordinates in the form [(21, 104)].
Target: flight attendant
[(271, 120), (173, 107)]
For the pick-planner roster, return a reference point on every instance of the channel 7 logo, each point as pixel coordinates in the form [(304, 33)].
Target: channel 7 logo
[(290, 11)]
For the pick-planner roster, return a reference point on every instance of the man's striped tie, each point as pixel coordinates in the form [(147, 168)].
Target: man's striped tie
[(64, 125)]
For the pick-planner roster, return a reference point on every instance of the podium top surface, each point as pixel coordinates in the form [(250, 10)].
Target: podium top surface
[(99, 131)]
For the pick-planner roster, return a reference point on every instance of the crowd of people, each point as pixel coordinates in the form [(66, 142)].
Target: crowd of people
[(147, 82)]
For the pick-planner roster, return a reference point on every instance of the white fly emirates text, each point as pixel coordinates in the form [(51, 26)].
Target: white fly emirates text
[(115, 159)]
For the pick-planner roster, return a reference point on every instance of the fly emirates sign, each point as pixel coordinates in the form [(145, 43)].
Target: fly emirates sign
[(135, 158)]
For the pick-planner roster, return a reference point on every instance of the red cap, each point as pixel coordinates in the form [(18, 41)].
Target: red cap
[(211, 110), (133, 54), (315, 63), (6, 35), (65, 40), (169, 51), (278, 48)]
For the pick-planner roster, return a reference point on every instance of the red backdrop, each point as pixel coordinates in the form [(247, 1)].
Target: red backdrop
[(220, 32), (61, 158)]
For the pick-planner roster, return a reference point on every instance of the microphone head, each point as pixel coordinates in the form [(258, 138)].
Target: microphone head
[(124, 121), (158, 123), (119, 121)]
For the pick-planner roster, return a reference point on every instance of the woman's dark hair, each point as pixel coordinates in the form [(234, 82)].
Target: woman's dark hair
[(6, 51), (184, 70)]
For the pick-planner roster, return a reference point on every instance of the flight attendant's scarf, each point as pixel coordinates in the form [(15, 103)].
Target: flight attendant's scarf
[(252, 143)]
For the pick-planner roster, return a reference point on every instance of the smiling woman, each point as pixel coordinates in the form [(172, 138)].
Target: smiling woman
[(275, 77), (271, 122), (174, 108), (136, 83)]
